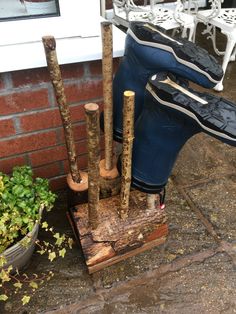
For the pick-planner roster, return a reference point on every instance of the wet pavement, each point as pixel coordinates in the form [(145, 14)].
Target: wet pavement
[(193, 272)]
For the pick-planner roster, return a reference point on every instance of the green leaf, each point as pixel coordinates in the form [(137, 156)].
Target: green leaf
[(33, 284), (25, 299), (18, 190), (41, 252), (62, 252), (9, 269), (2, 260), (70, 242), (25, 220), (4, 276), (3, 297), (60, 239), (26, 241), (51, 256), (22, 204), (18, 285), (44, 225)]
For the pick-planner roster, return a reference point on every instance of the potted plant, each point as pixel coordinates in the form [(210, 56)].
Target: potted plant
[(22, 202)]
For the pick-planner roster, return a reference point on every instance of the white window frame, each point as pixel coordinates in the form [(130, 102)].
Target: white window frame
[(77, 32), (77, 18)]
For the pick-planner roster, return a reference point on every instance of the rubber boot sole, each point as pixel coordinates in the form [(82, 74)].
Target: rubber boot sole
[(215, 115), (184, 51)]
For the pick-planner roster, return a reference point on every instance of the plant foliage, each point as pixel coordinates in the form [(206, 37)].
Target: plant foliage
[(22, 199)]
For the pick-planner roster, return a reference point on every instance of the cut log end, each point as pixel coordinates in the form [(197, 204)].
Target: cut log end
[(108, 174), (91, 107), (106, 24), (129, 93), (49, 42), (78, 187)]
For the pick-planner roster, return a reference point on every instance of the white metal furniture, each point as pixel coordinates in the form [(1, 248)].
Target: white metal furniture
[(225, 20), (162, 15)]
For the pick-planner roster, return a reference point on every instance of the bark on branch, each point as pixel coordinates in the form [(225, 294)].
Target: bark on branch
[(92, 120), (55, 75), (128, 136), (107, 71)]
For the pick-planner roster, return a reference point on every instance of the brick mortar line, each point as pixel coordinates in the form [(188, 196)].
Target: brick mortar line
[(24, 88), (49, 108), (48, 86), (60, 145), (25, 113), (25, 134), (41, 131)]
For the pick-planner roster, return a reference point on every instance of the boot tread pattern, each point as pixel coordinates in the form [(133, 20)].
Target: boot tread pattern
[(184, 49), (218, 116)]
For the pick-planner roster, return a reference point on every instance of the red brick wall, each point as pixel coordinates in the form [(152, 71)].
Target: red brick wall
[(31, 130)]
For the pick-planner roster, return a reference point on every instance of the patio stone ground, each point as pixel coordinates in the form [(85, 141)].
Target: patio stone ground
[(193, 272)]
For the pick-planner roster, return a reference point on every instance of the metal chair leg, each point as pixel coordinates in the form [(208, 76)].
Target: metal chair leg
[(228, 52)]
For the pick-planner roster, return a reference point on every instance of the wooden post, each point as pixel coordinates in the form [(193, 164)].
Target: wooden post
[(152, 201), (109, 176), (107, 71), (77, 180), (128, 136), (92, 120)]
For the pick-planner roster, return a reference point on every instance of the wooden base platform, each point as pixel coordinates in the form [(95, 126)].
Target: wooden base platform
[(115, 239)]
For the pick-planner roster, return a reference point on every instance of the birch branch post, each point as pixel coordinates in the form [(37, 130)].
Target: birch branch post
[(109, 176), (107, 71), (106, 237), (92, 123), (128, 137), (76, 180)]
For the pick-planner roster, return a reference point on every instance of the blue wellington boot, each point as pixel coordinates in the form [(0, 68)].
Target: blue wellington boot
[(148, 51), (172, 114), (160, 133)]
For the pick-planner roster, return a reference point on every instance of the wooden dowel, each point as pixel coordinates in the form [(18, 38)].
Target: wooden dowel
[(154, 204), (92, 120), (107, 71), (152, 200), (55, 75), (128, 136)]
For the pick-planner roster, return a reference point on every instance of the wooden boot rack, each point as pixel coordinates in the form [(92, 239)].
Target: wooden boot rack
[(122, 225)]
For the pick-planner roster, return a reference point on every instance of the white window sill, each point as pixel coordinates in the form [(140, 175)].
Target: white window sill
[(69, 50)]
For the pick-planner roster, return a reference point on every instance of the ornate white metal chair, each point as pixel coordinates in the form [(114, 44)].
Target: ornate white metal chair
[(126, 11), (225, 20)]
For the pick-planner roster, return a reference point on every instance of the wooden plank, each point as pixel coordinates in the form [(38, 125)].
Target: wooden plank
[(147, 246)]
